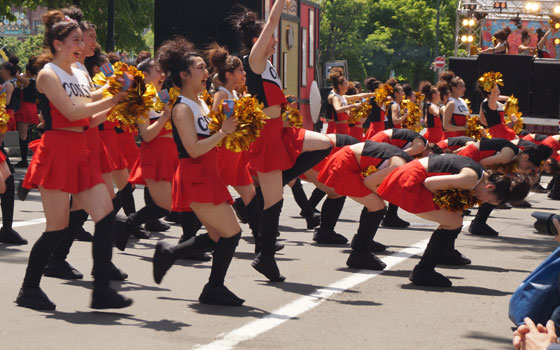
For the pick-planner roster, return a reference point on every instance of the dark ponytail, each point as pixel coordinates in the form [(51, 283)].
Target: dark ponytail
[(221, 61), (175, 56), (248, 27)]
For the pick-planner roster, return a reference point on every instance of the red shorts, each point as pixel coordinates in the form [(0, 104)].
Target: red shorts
[(404, 187), (277, 148), (12, 121), (233, 167), (98, 151), (158, 161), (434, 135), (357, 132), (109, 138), (342, 173), (502, 132), (127, 143), (198, 180), (448, 134), (471, 152), (342, 128), (62, 162), (331, 127), (27, 113), (374, 128)]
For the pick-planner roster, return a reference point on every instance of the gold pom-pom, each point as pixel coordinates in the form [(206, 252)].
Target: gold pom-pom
[(475, 128), (412, 121), (208, 98), (139, 100), (4, 116), (474, 50), (359, 112), (370, 170), (489, 79), (512, 114), (292, 114), (382, 93), (419, 97), (455, 200), (251, 120)]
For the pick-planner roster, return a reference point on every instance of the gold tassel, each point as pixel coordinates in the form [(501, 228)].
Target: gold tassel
[(382, 93), (4, 116), (370, 170), (359, 112), (412, 121), (208, 98), (455, 200), (489, 79), (512, 114), (292, 114)]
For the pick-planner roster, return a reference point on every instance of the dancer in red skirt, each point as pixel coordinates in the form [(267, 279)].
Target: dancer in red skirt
[(61, 165), (9, 75), (395, 116), (197, 184), (453, 144), (126, 141), (493, 153), (432, 116), (492, 115), (356, 171), (412, 187), (456, 109), (280, 154), (376, 117), (27, 113), (553, 142)]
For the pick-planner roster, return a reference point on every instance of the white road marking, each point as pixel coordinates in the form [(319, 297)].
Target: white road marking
[(308, 302), (29, 222)]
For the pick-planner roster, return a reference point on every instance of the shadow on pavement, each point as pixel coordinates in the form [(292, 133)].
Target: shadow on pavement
[(459, 289), (301, 288), (113, 318), (124, 286), (481, 268), (506, 342), (231, 311)]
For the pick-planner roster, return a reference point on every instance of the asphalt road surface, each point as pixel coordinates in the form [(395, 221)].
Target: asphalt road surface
[(322, 304)]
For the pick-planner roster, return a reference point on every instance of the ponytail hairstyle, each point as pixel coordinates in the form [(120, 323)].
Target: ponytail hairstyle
[(351, 89), (11, 68), (502, 184), (540, 34), (247, 26), (336, 77), (427, 89), (58, 26), (372, 84), (520, 187), (173, 57), (75, 13), (394, 84), (31, 65), (525, 35), (221, 61), (146, 65), (142, 56), (443, 89), (450, 79), (503, 34), (408, 90), (538, 155)]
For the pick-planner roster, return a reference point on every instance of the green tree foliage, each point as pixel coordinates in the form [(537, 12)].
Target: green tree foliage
[(32, 46), (132, 18), (383, 35)]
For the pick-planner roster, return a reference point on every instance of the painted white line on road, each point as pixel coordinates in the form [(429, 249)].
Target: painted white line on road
[(308, 302), (29, 222)]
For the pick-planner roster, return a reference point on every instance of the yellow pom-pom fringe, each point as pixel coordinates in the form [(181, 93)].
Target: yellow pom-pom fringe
[(292, 114), (489, 79), (208, 98), (414, 117), (512, 115), (455, 200), (382, 93), (4, 116), (251, 120), (359, 112), (370, 170)]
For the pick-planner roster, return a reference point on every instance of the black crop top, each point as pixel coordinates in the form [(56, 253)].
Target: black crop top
[(452, 164)]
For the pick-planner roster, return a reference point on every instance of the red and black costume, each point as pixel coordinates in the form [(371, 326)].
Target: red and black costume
[(434, 134), (487, 148), (551, 142), (495, 121), (537, 139), (459, 117), (454, 143), (28, 112), (376, 118), (402, 138)]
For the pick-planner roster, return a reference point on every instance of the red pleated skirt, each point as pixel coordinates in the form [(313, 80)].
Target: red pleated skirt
[(158, 161), (374, 128), (109, 138), (277, 148), (357, 132), (404, 187), (62, 162), (98, 151), (342, 128), (198, 180), (12, 120), (27, 113), (342, 173), (331, 127), (234, 167), (502, 131), (129, 148), (434, 135)]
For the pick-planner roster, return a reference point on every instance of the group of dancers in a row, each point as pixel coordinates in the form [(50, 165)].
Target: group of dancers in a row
[(185, 171)]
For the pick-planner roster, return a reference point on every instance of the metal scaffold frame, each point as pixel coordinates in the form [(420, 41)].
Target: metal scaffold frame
[(484, 9)]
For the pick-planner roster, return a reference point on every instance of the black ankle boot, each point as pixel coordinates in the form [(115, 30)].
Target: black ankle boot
[(479, 226), (304, 162), (392, 220), (330, 212), (149, 213), (361, 256), (265, 262)]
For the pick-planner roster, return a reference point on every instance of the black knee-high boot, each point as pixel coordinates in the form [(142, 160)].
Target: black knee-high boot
[(254, 214), (166, 254), (555, 188), (424, 273), (214, 291), (23, 149), (330, 212), (58, 267), (240, 210), (149, 213), (478, 225), (126, 199), (391, 219), (452, 256), (190, 225), (265, 262), (315, 198), (304, 162), (104, 297), (7, 233), (361, 256), (154, 225), (30, 294), (116, 204), (306, 209)]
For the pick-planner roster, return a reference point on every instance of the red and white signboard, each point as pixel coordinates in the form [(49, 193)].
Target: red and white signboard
[(439, 62)]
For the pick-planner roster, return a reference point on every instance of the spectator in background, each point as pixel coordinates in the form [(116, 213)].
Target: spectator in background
[(142, 56), (501, 46), (525, 48), (358, 86), (542, 37)]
